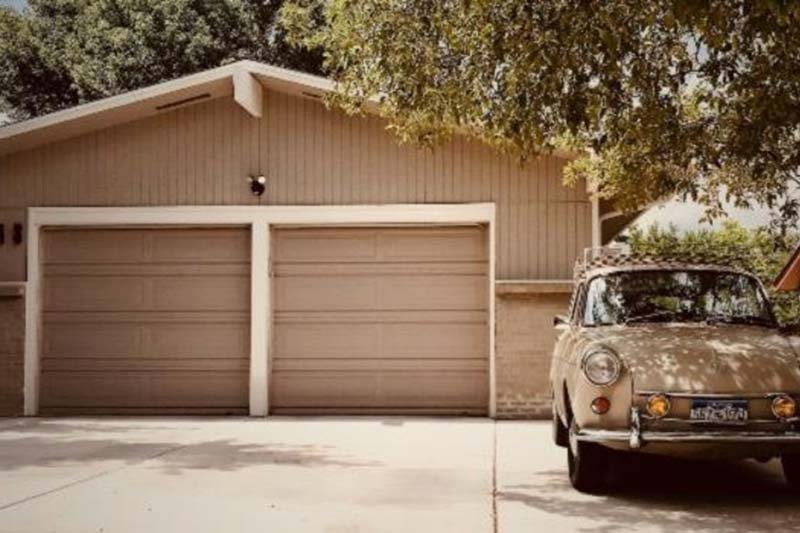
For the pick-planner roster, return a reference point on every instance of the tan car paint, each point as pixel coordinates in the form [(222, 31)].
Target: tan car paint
[(672, 358), (686, 357), (569, 378)]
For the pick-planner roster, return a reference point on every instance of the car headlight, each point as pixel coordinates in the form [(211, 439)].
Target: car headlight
[(601, 366)]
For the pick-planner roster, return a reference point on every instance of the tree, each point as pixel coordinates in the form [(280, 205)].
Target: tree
[(695, 98), (59, 53), (756, 250)]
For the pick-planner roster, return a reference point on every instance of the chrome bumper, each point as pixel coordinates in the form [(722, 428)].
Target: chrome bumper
[(601, 435), (636, 437)]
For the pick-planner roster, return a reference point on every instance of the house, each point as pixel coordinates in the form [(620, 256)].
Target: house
[(142, 272)]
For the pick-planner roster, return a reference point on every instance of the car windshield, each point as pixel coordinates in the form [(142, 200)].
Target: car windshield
[(676, 296)]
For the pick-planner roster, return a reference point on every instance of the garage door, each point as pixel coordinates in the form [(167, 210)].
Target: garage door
[(145, 321), (380, 320)]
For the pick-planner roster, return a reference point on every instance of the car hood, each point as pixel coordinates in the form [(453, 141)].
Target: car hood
[(704, 358)]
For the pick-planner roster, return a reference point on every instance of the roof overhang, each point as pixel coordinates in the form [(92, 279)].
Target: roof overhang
[(789, 277), (613, 222), (242, 80)]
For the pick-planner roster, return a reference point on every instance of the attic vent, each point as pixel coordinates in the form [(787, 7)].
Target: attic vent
[(307, 94), (185, 101)]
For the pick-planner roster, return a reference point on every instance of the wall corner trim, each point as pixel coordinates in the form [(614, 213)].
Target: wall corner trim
[(259, 320)]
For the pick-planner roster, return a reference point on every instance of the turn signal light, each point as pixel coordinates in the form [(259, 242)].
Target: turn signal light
[(600, 405), (658, 405), (784, 406)]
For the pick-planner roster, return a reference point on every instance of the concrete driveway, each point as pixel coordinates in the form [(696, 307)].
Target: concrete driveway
[(352, 474)]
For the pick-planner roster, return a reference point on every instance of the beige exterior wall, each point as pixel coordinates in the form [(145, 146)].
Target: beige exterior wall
[(12, 343), (524, 345), (202, 154)]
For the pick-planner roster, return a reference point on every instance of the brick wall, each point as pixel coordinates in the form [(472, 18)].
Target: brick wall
[(524, 344), (12, 341)]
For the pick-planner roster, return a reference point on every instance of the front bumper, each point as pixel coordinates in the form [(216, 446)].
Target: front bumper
[(636, 437), (601, 435)]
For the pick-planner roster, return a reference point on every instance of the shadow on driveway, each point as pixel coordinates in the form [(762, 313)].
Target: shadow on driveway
[(665, 494), (47, 443)]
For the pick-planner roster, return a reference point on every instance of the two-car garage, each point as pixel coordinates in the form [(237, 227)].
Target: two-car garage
[(362, 319)]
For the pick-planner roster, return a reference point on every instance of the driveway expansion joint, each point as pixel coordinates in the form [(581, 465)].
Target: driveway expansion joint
[(495, 518)]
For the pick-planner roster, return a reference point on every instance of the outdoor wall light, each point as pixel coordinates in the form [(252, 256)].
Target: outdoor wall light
[(257, 184)]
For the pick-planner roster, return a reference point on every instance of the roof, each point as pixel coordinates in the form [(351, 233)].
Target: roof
[(606, 263), (789, 277), (233, 79)]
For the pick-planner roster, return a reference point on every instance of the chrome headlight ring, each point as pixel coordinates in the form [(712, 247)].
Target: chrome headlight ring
[(601, 366)]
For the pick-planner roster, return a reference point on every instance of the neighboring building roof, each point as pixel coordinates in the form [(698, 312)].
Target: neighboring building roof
[(789, 277), (233, 79)]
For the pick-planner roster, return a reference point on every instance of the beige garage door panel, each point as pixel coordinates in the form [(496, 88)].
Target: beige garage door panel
[(147, 341), (372, 245), (146, 247), (404, 292), (77, 291), (380, 319), (155, 391), (381, 341), (145, 320), (354, 391)]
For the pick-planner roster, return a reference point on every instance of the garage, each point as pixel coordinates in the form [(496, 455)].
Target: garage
[(380, 320), (146, 320)]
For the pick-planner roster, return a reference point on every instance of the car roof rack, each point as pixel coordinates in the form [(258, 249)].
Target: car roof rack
[(606, 257)]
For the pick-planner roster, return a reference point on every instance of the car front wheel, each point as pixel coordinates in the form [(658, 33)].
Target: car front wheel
[(791, 469), (588, 465)]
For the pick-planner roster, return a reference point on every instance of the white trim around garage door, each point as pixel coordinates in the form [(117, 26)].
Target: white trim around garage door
[(259, 218)]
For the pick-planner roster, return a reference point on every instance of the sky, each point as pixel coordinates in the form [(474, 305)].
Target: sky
[(12, 3), (685, 216)]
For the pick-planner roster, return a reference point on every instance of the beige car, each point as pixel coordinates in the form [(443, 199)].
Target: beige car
[(673, 359)]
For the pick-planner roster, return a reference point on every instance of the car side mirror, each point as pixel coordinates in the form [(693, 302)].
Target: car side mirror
[(560, 322)]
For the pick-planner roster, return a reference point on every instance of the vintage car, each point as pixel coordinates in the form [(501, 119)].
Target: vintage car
[(676, 359)]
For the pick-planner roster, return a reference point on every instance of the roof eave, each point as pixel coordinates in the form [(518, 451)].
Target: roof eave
[(150, 101), (789, 277)]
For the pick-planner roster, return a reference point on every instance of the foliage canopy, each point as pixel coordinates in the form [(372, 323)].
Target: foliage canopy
[(59, 53), (696, 98)]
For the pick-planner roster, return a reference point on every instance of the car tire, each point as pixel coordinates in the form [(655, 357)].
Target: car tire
[(791, 469), (588, 465), (560, 432)]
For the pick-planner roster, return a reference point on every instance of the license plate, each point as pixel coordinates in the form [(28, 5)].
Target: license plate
[(719, 411)]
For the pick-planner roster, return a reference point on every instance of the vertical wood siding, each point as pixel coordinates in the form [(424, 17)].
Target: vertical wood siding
[(202, 154)]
